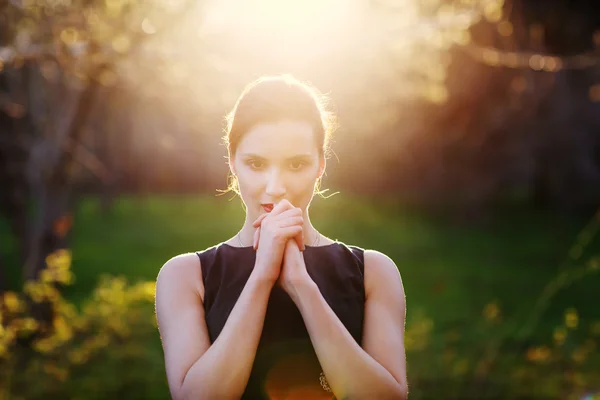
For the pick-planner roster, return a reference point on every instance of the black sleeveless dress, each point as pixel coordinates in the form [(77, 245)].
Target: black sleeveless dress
[(286, 364)]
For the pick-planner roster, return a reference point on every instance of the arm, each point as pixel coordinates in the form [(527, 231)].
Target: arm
[(378, 369), (195, 368)]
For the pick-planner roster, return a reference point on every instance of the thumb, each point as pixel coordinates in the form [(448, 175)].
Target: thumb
[(300, 241), (256, 238), (259, 220)]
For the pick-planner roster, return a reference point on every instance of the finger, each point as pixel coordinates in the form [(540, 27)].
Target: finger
[(293, 212), (256, 239), (280, 207), (259, 220), (291, 231), (291, 221), (278, 210)]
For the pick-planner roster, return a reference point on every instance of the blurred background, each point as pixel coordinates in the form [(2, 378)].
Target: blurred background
[(468, 151)]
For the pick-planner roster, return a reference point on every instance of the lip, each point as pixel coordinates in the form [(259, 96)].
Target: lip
[(268, 207)]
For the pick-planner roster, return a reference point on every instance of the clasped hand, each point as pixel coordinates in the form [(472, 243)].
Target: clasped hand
[(279, 242)]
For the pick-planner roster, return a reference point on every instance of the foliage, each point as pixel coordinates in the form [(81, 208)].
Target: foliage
[(58, 56), (102, 351), (109, 346), (466, 363), (486, 359)]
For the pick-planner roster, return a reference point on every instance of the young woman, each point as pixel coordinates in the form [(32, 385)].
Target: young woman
[(280, 311)]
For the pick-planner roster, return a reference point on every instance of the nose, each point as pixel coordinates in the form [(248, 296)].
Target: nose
[(275, 185)]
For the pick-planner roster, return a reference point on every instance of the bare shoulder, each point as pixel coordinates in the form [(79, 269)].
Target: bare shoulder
[(180, 317), (381, 272), (181, 271), (385, 316)]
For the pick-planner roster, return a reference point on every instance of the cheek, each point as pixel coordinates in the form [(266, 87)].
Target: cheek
[(249, 182), (303, 186)]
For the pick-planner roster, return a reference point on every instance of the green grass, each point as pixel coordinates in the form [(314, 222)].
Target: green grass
[(450, 271)]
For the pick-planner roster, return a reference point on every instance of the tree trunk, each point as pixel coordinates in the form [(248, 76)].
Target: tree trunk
[(3, 277), (55, 191)]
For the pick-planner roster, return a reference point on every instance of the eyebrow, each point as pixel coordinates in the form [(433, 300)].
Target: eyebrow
[(256, 156)]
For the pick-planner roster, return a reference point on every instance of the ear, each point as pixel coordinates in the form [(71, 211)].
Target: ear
[(322, 166), (231, 163)]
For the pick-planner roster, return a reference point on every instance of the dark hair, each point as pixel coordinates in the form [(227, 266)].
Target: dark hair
[(276, 98)]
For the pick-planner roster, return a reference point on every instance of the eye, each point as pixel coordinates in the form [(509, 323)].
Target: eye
[(255, 164), (297, 165)]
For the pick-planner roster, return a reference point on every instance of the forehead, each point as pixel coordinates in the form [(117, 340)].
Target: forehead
[(280, 139)]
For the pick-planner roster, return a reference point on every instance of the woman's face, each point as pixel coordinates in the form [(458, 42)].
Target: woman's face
[(276, 161)]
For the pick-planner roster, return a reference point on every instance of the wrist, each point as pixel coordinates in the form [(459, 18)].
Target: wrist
[(300, 286), (260, 278)]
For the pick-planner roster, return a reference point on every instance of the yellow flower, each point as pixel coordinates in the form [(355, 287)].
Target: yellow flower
[(461, 367), (104, 310), (40, 291), (571, 318), (47, 276), (60, 259), (117, 283), (102, 340), (595, 328), (44, 345), (2, 334), (23, 325), (78, 356), (67, 310), (12, 302), (62, 329), (30, 323), (579, 355), (418, 333), (59, 373), (58, 269), (560, 334), (491, 311), (145, 291), (538, 354), (31, 288), (9, 334), (6, 338), (80, 323), (67, 277)]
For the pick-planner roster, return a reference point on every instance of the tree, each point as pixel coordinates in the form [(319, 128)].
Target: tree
[(56, 57)]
